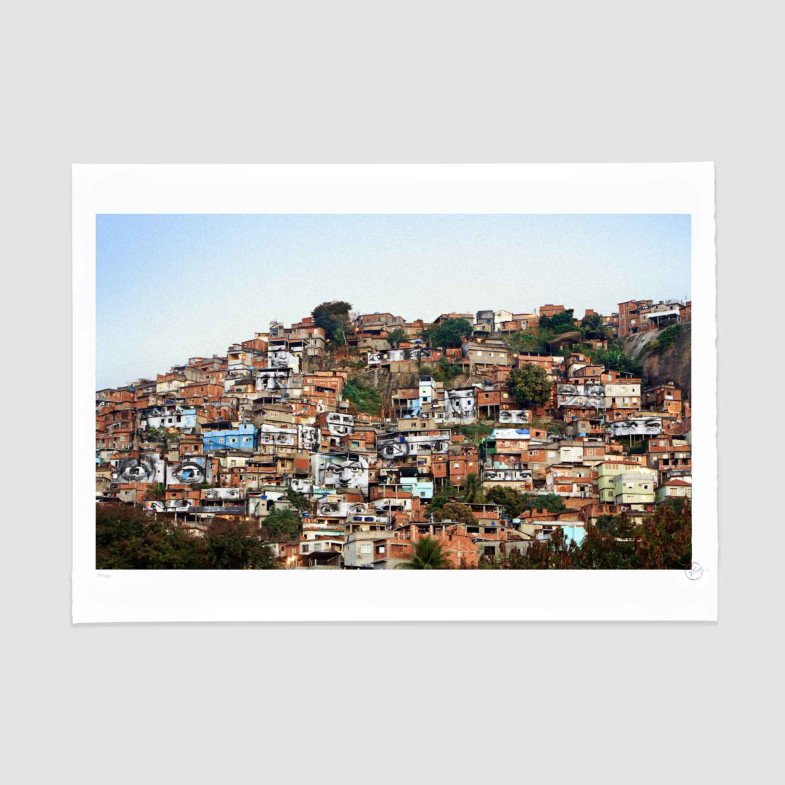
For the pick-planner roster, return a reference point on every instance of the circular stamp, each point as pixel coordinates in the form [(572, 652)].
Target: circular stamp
[(695, 572)]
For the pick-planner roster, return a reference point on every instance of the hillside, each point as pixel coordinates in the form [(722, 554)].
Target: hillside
[(665, 355)]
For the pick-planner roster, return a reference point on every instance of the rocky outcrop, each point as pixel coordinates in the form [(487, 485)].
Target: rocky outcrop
[(669, 365)]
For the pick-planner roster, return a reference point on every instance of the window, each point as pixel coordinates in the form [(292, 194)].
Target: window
[(366, 549)]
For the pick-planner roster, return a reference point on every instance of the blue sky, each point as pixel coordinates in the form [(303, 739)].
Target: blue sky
[(170, 287)]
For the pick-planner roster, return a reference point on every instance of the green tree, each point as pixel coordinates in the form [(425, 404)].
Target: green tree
[(664, 541), (555, 553), (512, 502), (127, 538), (608, 524), (397, 336), (157, 491), (445, 371), (530, 385), (475, 432), (365, 398), (236, 545), (455, 511), (448, 334), (472, 490), (282, 524), (437, 504), (551, 502), (531, 340), (614, 358), (593, 326), (333, 318), (298, 500), (562, 322), (428, 555)]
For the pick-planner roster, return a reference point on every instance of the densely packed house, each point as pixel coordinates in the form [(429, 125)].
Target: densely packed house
[(234, 436)]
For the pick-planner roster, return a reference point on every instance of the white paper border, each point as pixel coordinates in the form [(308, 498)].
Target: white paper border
[(387, 595)]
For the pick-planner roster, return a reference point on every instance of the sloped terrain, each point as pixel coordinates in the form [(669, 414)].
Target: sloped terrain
[(660, 365)]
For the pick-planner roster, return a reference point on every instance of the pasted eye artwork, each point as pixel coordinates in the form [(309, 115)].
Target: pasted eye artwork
[(393, 449), (340, 424), (284, 437), (636, 426), (283, 360), (148, 469), (460, 404), (401, 445), (272, 379), (513, 416), (301, 486), (507, 475), (589, 396), (308, 438), (336, 471), (419, 423), (188, 472)]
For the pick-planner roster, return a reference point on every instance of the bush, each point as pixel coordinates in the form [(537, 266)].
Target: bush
[(530, 385), (562, 322), (450, 333), (365, 398), (669, 336), (127, 538)]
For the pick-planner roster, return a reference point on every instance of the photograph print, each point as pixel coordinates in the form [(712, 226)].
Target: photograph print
[(393, 392)]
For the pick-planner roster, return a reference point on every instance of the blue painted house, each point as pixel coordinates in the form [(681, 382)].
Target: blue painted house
[(244, 437)]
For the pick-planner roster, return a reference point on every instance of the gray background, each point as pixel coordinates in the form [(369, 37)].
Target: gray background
[(369, 82)]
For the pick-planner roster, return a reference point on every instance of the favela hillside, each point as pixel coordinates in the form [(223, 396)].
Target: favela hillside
[(350, 440)]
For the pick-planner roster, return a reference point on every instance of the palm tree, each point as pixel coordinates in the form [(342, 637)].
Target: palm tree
[(428, 555), (594, 327), (473, 493)]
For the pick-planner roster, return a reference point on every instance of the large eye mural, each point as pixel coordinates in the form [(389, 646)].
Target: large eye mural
[(638, 426), (333, 509), (172, 505), (283, 360), (145, 469), (344, 472), (513, 416), (460, 404), (589, 396), (309, 438), (401, 445), (301, 486), (340, 424), (272, 379), (327, 509), (283, 437), (391, 449), (188, 472), (507, 475)]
